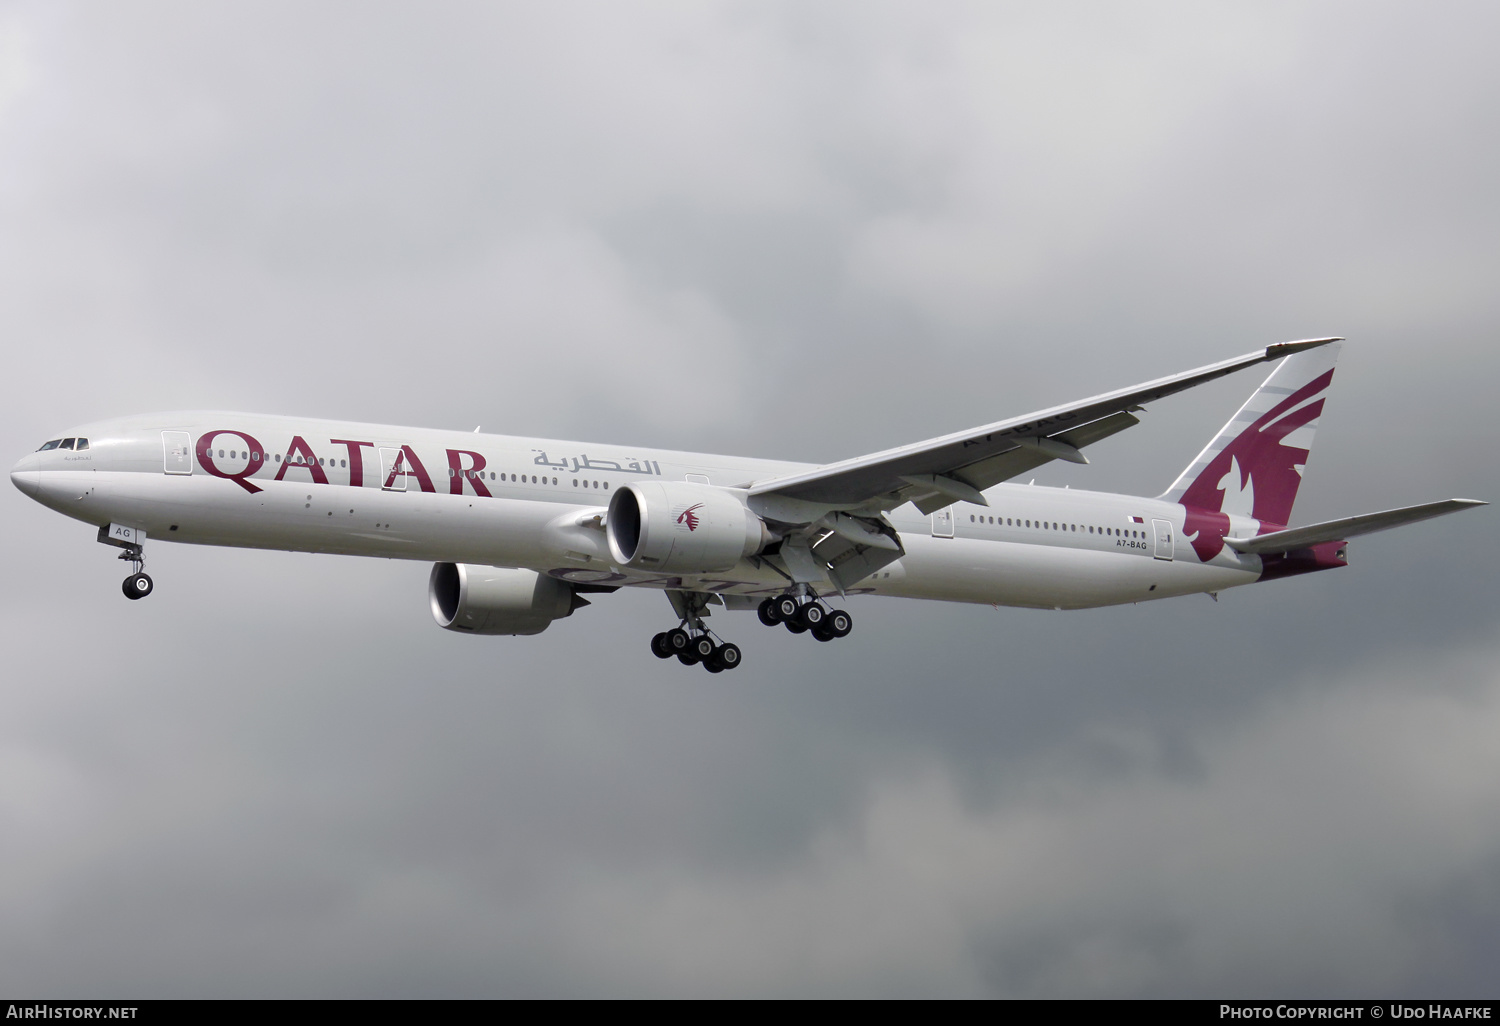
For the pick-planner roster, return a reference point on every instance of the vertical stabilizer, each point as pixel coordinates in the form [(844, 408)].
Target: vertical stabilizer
[(1254, 464)]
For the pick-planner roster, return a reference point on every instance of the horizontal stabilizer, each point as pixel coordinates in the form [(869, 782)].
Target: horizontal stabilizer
[(1337, 530)]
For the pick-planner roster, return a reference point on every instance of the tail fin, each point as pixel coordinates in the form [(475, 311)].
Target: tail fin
[(1254, 464)]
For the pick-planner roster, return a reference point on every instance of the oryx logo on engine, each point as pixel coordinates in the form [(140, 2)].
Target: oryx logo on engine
[(689, 518)]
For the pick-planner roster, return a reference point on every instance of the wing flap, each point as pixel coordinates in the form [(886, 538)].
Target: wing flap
[(1013, 463), (1337, 530)]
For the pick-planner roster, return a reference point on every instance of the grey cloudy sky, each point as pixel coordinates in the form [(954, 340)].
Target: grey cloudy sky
[(794, 230)]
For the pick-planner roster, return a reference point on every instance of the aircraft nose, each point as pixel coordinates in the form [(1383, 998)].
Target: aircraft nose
[(27, 474)]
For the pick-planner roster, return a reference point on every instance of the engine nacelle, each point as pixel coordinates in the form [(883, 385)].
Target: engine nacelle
[(681, 527), (497, 600)]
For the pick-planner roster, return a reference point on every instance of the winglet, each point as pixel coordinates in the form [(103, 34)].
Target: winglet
[(1281, 349)]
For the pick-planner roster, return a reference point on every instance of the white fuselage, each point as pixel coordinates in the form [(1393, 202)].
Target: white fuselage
[(409, 493)]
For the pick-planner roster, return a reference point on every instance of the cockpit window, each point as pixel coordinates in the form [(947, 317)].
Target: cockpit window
[(67, 443), (50, 445), (83, 443)]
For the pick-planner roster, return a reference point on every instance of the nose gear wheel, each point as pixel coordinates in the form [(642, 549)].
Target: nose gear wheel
[(139, 584)]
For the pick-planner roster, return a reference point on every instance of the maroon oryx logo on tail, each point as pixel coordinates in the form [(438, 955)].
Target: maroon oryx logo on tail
[(690, 518)]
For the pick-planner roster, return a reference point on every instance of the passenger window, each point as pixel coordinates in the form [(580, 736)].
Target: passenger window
[(50, 445)]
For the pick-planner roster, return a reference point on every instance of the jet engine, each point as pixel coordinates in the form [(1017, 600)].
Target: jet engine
[(497, 600), (681, 527)]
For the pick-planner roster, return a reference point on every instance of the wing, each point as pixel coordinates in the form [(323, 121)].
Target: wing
[(1338, 530), (958, 467)]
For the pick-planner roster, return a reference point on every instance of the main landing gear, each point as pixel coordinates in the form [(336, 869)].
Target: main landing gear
[(802, 612), (806, 614), (692, 642)]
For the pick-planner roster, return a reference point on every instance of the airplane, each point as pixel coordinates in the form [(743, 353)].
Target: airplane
[(520, 530)]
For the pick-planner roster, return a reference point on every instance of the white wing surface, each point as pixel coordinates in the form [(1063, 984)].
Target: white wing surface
[(959, 466)]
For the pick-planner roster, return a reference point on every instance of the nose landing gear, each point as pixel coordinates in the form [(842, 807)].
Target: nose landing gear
[(139, 584)]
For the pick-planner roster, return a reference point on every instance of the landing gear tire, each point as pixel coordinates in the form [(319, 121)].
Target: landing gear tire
[(727, 657), (823, 632), (136, 586), (687, 657), (678, 641), (659, 646), (713, 666), (840, 623), (811, 615), (786, 608), (795, 627), (768, 613), (703, 648)]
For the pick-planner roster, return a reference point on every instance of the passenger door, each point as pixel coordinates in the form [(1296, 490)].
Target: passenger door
[(942, 523), (177, 452), (392, 470), (1163, 532)]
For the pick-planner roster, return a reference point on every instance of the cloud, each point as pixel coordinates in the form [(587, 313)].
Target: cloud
[(1289, 861)]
